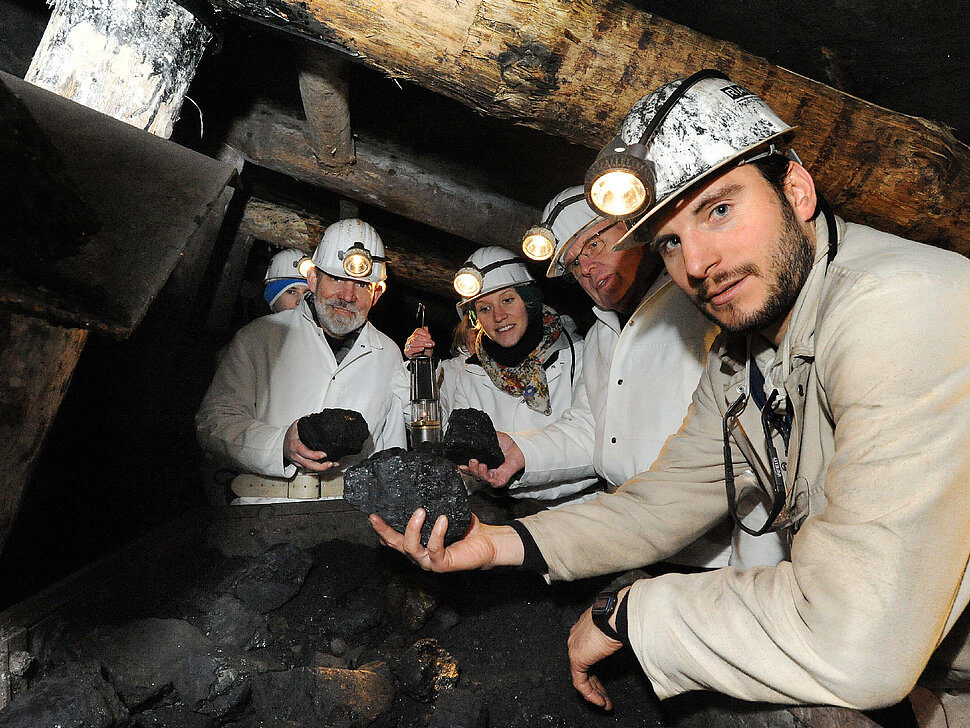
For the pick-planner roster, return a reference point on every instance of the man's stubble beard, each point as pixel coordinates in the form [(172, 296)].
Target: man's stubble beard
[(791, 263)]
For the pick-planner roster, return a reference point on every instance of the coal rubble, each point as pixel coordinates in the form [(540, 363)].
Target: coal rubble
[(471, 436), (337, 432), (338, 635), (393, 483)]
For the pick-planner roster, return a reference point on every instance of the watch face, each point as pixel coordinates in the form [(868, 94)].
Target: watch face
[(604, 603)]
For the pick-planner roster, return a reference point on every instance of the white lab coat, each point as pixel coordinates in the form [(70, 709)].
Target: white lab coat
[(448, 371), (510, 413), (279, 368), (637, 384)]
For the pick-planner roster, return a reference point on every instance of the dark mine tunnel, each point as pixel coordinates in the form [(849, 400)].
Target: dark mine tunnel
[(140, 588)]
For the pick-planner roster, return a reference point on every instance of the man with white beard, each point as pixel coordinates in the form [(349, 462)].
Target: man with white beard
[(323, 354)]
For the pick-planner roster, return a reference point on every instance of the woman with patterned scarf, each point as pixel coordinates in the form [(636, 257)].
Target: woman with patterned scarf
[(527, 359)]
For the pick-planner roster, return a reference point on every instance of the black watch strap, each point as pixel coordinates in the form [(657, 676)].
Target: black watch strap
[(603, 607)]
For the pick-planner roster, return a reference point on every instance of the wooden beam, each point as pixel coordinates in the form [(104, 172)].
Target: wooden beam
[(323, 86), (132, 61), (289, 228), (219, 315), (574, 69), (36, 363), (388, 177)]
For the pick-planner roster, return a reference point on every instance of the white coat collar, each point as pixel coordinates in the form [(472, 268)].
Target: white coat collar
[(610, 318)]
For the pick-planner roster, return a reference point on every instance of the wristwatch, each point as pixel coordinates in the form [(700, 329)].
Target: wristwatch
[(603, 607)]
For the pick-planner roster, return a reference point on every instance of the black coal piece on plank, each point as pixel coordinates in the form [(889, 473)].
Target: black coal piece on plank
[(393, 483), (337, 432), (471, 436)]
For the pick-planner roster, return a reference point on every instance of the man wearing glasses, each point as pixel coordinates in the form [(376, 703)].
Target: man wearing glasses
[(839, 392), (644, 355)]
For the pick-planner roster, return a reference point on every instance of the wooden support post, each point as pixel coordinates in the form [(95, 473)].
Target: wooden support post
[(36, 363), (132, 61), (323, 85), (347, 208), (219, 316)]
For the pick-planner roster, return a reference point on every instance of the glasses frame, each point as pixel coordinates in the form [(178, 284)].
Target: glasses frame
[(777, 476), (572, 267)]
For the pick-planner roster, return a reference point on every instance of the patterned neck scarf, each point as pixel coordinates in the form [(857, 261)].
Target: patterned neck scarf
[(528, 378)]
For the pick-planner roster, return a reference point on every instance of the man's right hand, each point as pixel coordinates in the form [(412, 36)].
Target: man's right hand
[(482, 547), (300, 455), (418, 342), (500, 476)]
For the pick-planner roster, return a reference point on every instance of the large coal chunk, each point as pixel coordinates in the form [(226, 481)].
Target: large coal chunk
[(272, 579), (393, 483), (74, 694), (471, 435), (337, 432)]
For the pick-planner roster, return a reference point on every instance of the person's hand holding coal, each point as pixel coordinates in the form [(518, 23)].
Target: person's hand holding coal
[(394, 483), (317, 441)]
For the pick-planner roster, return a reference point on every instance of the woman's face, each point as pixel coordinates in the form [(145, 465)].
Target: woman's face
[(503, 316)]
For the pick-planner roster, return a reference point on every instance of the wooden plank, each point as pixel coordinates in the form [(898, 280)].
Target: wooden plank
[(131, 61), (573, 69), (386, 176), (289, 228), (81, 589), (152, 198), (36, 363)]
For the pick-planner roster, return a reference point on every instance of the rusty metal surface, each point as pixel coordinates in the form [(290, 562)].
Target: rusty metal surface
[(151, 197)]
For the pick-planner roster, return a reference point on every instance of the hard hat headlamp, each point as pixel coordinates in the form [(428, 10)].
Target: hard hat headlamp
[(621, 183), (539, 242), (358, 261), (470, 278), (306, 263)]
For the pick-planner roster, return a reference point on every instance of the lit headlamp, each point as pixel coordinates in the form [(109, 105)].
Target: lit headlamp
[(621, 181), (305, 265), (358, 262), (470, 278), (539, 242)]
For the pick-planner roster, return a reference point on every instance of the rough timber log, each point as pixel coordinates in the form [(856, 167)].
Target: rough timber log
[(323, 86), (386, 177), (573, 69), (289, 228), (36, 363), (132, 61)]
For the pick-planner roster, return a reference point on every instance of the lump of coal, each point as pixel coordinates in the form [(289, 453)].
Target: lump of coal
[(471, 435), (337, 432), (393, 483)]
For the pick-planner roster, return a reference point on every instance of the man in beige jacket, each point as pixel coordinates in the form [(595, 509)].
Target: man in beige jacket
[(838, 394)]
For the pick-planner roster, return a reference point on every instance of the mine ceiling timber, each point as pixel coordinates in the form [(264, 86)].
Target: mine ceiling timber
[(572, 70)]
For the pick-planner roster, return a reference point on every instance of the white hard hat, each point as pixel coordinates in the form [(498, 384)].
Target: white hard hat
[(351, 249), (282, 274), (285, 264), (676, 136), (565, 218), (489, 269)]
